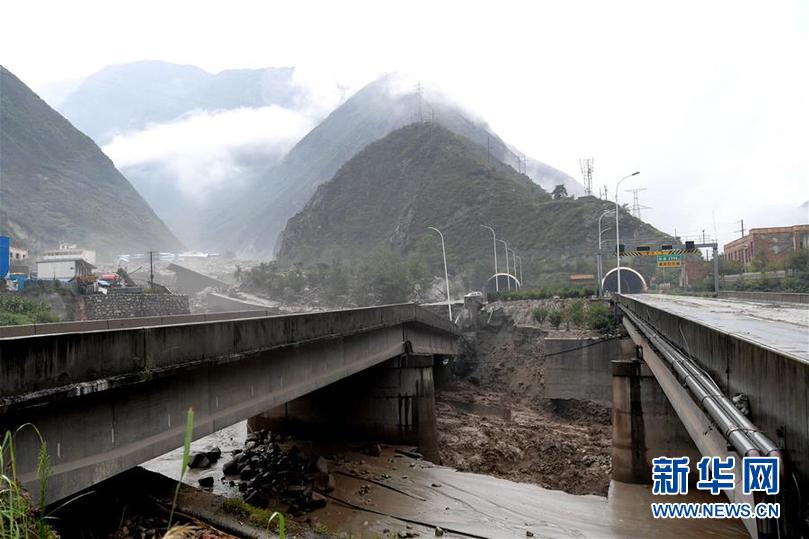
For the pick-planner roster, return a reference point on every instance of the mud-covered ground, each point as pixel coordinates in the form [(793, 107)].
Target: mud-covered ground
[(493, 419)]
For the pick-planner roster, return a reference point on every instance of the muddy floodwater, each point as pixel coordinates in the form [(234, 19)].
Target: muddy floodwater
[(380, 495)]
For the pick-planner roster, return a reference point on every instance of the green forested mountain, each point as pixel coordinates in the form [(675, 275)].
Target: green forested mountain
[(57, 185), (251, 223), (425, 175)]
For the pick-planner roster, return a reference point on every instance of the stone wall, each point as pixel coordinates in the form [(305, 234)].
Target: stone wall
[(101, 307)]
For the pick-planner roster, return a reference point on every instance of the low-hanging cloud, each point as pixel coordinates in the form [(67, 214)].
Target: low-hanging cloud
[(205, 149)]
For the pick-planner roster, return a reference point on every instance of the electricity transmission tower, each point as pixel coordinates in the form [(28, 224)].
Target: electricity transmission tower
[(586, 165), (521, 164), (636, 206), (419, 90)]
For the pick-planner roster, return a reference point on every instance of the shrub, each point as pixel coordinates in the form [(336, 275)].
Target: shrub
[(15, 310), (600, 317), (555, 318), (574, 314), (540, 314)]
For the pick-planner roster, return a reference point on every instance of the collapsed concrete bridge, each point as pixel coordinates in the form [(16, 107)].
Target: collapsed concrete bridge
[(107, 398)]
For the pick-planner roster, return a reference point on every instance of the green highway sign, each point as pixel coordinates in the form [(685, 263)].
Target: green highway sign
[(669, 258)]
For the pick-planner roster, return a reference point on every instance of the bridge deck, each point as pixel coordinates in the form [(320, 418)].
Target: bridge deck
[(781, 327)]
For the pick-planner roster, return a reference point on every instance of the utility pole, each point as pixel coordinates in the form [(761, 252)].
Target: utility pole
[(151, 271), (742, 227), (715, 268), (586, 165)]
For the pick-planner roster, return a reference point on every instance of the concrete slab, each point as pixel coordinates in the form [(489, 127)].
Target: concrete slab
[(782, 327)]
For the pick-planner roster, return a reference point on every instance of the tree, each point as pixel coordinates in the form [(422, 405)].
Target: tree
[(798, 260), (389, 279), (559, 192)]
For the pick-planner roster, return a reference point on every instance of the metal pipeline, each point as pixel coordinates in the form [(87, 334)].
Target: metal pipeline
[(737, 429)]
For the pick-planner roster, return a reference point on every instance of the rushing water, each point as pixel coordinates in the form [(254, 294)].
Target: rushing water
[(397, 493)]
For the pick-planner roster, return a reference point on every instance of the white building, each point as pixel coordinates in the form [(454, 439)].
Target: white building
[(69, 251), (63, 270)]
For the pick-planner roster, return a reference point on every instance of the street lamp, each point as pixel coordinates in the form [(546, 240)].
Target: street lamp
[(508, 273), (513, 266), (617, 232), (599, 260), (519, 259), (494, 243), (446, 275)]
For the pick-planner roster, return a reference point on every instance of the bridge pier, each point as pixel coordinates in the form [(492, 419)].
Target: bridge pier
[(644, 424), (393, 402)]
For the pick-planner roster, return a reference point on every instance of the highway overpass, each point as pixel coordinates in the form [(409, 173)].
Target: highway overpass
[(109, 395), (703, 352)]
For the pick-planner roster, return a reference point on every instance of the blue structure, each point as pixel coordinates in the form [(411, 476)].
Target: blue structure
[(5, 255)]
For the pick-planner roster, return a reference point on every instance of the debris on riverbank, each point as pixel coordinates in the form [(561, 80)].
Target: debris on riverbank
[(492, 416), (265, 472)]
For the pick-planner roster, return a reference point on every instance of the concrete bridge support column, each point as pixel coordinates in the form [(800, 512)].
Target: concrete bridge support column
[(644, 424), (393, 402)]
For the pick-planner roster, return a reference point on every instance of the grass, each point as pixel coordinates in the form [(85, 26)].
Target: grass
[(256, 515), (22, 519), (189, 430), (19, 518)]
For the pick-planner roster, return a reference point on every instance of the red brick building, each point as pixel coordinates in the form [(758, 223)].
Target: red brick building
[(770, 244)]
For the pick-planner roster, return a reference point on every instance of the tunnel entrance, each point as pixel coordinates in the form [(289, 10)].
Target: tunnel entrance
[(632, 282)]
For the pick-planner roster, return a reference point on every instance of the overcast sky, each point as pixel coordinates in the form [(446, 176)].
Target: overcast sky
[(708, 99)]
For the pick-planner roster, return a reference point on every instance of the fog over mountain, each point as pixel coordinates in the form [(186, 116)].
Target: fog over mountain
[(206, 148), (251, 223), (186, 137)]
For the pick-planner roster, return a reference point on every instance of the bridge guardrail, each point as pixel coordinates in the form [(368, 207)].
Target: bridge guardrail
[(93, 352)]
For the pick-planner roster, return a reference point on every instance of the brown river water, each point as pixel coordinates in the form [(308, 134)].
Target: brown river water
[(396, 493)]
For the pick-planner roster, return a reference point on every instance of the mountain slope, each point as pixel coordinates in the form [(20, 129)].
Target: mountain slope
[(56, 184), (425, 175), (255, 220)]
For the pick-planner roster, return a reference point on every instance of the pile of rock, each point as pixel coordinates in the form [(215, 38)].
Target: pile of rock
[(265, 471)]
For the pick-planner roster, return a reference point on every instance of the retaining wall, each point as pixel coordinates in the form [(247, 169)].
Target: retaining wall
[(581, 369), (113, 306)]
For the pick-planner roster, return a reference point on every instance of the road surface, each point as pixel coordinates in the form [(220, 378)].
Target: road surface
[(783, 327)]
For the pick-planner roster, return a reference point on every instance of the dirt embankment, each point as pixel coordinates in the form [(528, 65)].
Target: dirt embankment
[(493, 418)]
